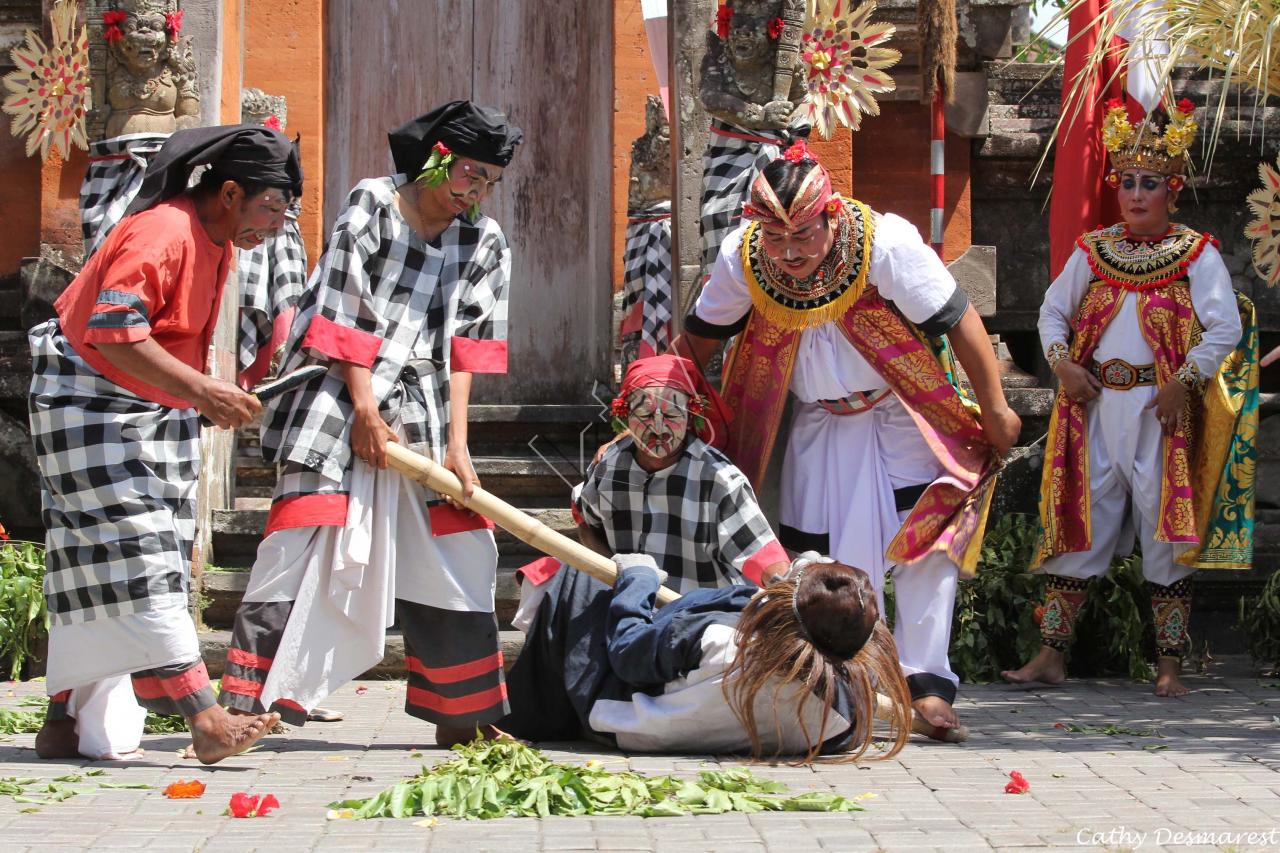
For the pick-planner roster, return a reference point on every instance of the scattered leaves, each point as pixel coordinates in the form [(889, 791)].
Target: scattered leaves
[(1111, 729), (489, 779)]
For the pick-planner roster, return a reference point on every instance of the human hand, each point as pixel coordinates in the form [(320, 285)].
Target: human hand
[(457, 460), (369, 437), (1170, 403), (1001, 427), (1079, 383), (600, 451), (225, 404)]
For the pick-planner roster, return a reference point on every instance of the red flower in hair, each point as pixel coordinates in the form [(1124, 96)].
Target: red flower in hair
[(441, 149), (833, 206), (173, 23), (1115, 104), (798, 151), (775, 28), (723, 16), (1185, 106), (113, 20), (4, 534), (273, 123)]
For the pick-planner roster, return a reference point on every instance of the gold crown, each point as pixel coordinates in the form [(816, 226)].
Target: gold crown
[(1148, 145)]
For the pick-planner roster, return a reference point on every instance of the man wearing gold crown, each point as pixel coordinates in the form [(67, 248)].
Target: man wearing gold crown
[(1152, 431), (888, 467)]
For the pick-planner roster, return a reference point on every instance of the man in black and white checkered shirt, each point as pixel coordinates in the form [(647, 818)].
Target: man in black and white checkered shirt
[(407, 303), (118, 387)]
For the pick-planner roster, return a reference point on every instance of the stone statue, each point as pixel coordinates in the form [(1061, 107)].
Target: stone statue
[(257, 107), (651, 160), (741, 71), (151, 76)]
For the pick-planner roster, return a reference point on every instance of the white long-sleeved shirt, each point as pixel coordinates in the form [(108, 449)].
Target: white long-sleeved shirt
[(1211, 296), (906, 271)]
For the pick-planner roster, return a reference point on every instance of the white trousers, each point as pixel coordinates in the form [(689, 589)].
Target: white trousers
[(108, 718), (344, 582), (838, 477), (1126, 471)]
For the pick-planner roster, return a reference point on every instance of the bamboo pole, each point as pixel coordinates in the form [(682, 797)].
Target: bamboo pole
[(528, 529)]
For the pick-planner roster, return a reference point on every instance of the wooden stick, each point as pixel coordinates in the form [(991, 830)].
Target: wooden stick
[(523, 526), (428, 472)]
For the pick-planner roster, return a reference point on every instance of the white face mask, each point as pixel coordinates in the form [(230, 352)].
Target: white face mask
[(658, 419)]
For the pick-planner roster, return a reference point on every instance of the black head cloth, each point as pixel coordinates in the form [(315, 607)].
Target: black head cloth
[(243, 152), (481, 133)]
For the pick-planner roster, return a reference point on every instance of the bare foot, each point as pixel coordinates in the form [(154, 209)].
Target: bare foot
[(216, 735), (936, 711), (447, 736), (1168, 680), (58, 739), (1047, 667)]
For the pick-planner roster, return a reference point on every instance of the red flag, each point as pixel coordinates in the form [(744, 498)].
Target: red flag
[(1079, 203)]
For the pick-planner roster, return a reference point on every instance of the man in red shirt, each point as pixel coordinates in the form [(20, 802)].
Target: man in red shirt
[(119, 384)]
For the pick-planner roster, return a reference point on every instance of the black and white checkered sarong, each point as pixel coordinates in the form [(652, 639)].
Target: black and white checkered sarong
[(646, 277), (116, 167), (118, 478), (729, 165), (699, 518), (272, 277)]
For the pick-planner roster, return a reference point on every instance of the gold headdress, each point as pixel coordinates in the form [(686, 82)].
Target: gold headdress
[(1150, 145)]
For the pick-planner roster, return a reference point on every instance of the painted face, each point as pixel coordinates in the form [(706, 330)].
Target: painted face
[(261, 217), (658, 419), (470, 183), (798, 252), (1144, 201)]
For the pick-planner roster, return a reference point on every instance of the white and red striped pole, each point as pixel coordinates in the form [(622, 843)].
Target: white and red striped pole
[(937, 169)]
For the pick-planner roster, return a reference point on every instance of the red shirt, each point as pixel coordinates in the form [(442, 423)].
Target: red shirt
[(158, 275)]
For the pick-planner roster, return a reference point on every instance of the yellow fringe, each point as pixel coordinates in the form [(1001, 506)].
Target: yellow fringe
[(793, 319)]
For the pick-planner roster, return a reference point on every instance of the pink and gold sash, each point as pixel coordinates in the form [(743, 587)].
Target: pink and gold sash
[(951, 515)]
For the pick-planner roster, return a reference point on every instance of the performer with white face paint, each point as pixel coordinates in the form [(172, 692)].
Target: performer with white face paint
[(1153, 426)]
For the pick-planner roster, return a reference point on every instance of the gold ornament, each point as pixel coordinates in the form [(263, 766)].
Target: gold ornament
[(1264, 230), (50, 92), (1147, 146), (844, 64)]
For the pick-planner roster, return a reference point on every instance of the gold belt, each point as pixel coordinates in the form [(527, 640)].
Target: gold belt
[(856, 403), (1120, 375)]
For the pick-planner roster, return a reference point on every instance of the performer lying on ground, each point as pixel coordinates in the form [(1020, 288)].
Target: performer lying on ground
[(788, 670), (409, 300), (887, 467), (1153, 426), (115, 401)]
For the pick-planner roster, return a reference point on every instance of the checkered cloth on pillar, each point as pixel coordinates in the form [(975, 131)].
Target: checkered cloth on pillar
[(116, 167), (647, 303), (272, 278)]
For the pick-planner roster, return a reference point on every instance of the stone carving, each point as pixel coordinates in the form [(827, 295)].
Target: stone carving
[(257, 107), (651, 160), (151, 73), (751, 74)]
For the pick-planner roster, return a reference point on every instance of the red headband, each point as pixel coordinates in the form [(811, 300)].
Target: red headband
[(815, 195)]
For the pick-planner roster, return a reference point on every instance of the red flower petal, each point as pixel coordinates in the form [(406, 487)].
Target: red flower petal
[(1018, 784), (268, 805), (1185, 106), (272, 123), (242, 805)]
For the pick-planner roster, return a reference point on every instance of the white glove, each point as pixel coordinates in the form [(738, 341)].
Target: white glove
[(639, 561)]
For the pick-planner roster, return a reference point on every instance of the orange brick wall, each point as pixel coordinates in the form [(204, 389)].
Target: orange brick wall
[(284, 55), (633, 81), (19, 203), (892, 175)]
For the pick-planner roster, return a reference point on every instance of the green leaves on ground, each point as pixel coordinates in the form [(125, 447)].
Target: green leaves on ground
[(490, 779), (1111, 729), (1260, 621), (41, 792), (23, 618)]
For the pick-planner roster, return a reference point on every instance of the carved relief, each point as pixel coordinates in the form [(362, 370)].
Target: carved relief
[(751, 74), (150, 79), (257, 107), (651, 160)]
